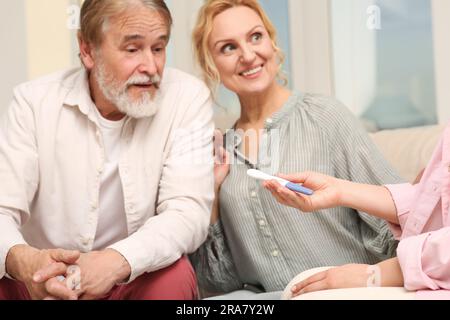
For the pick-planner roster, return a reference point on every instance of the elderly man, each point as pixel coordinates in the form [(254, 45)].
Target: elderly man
[(107, 168)]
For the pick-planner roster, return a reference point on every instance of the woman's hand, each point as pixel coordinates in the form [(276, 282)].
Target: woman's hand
[(221, 161), (387, 273), (327, 191), (348, 276)]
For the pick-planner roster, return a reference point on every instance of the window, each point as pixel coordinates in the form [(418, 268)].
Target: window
[(384, 61)]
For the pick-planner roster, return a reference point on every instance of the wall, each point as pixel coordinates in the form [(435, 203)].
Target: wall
[(49, 38), (13, 64), (37, 39)]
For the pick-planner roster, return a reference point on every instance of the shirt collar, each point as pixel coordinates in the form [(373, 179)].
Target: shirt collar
[(80, 97), (281, 115), (273, 122), (80, 94)]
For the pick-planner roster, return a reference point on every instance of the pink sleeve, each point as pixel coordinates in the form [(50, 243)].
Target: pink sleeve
[(403, 195), (425, 260)]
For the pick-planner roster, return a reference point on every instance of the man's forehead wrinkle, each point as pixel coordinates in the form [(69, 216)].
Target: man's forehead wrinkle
[(132, 22)]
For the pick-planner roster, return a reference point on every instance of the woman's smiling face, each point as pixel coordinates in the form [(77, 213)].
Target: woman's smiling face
[(243, 51)]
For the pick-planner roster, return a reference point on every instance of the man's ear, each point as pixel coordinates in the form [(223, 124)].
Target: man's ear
[(86, 53)]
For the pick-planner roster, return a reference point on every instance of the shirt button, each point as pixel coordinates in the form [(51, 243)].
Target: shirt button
[(269, 121), (86, 241), (253, 194), (275, 253), (94, 206), (262, 223)]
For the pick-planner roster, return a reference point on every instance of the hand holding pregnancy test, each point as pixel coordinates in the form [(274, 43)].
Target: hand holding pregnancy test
[(259, 175)]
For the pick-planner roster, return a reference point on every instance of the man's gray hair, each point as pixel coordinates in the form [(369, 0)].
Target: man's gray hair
[(95, 15)]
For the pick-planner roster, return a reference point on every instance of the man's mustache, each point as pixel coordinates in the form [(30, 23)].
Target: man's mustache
[(154, 80)]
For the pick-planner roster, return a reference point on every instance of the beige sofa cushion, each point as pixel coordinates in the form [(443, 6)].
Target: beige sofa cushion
[(408, 150)]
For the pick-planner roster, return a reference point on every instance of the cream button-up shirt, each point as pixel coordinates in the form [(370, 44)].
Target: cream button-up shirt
[(51, 159)]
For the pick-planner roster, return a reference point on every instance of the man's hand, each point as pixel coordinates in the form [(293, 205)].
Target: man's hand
[(100, 272), (39, 269)]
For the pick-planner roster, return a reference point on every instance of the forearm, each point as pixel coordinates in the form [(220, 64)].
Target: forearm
[(391, 273), (374, 200), (215, 214)]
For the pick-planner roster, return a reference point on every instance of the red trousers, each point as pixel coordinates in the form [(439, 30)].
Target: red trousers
[(177, 282)]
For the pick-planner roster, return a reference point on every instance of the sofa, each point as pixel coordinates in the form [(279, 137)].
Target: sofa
[(408, 150)]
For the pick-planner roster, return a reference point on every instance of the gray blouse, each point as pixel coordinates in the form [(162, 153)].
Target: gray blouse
[(260, 243)]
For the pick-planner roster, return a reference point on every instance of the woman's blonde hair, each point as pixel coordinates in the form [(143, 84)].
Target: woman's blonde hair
[(203, 29)]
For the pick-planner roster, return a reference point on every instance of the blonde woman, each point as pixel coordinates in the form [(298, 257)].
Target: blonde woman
[(255, 245)]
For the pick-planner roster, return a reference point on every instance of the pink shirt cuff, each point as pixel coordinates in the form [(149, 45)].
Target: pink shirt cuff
[(402, 195), (409, 253)]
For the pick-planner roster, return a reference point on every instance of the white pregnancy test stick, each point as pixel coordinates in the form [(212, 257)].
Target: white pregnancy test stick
[(259, 175)]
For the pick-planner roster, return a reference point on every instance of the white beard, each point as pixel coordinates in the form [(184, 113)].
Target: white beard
[(117, 93)]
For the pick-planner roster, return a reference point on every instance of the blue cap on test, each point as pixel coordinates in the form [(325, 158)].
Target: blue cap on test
[(298, 188)]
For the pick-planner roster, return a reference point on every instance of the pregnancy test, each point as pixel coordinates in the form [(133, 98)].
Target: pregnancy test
[(259, 175)]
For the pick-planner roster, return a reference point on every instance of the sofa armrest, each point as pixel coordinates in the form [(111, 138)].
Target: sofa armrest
[(408, 150)]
